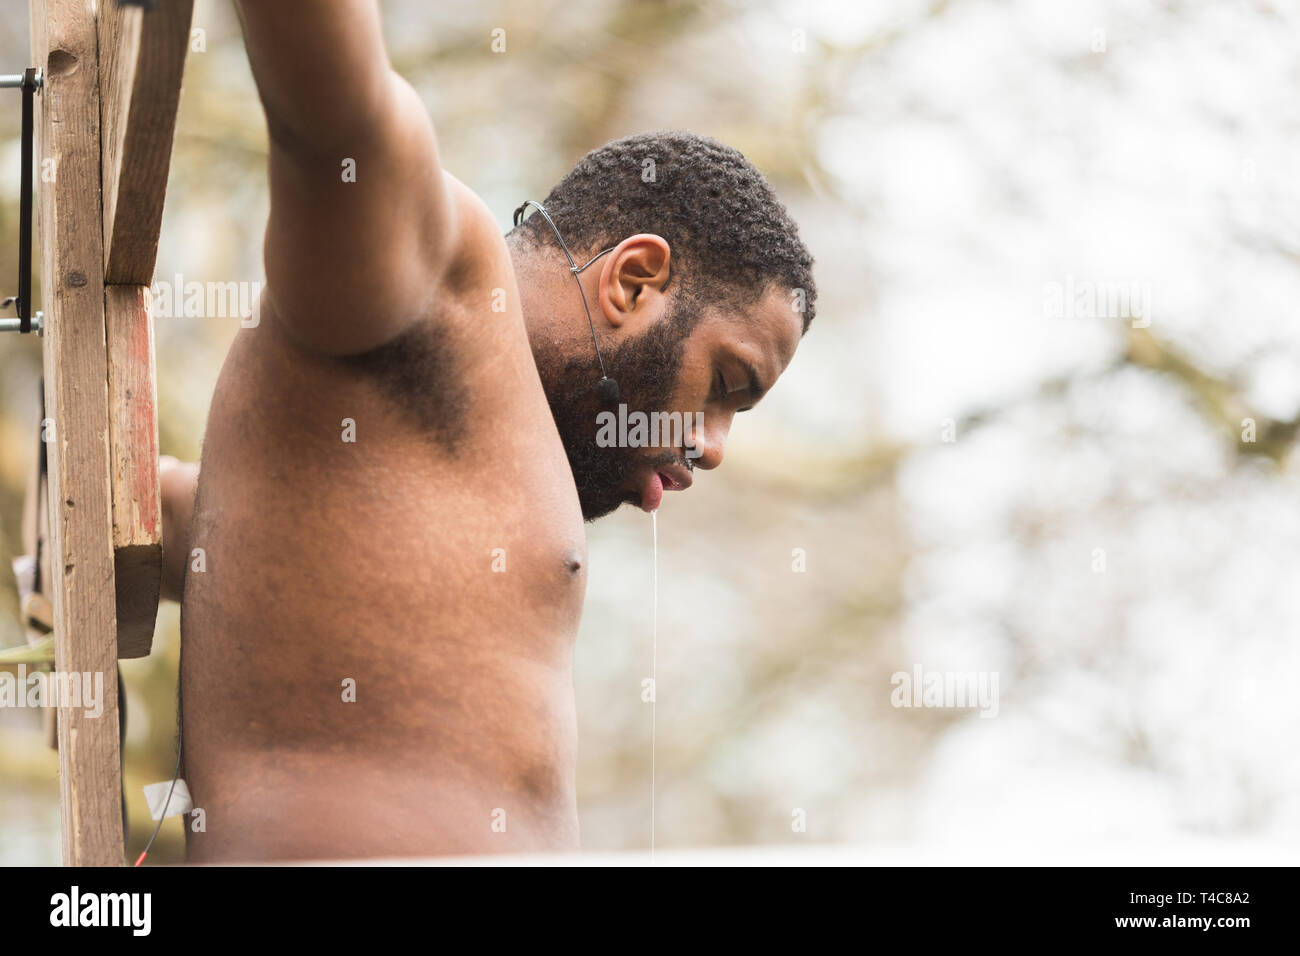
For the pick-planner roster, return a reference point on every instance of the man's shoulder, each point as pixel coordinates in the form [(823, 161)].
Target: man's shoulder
[(481, 255), (467, 340)]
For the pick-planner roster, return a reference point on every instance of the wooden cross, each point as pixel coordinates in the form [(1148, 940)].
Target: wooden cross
[(105, 120)]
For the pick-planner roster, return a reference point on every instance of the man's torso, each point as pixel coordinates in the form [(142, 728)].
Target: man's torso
[(436, 564)]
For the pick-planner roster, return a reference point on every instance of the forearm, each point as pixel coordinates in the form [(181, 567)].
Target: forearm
[(179, 481), (321, 68)]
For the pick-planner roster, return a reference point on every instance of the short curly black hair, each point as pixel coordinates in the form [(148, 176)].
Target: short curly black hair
[(718, 213)]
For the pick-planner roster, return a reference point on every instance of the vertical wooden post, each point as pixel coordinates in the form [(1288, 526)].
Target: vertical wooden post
[(70, 223)]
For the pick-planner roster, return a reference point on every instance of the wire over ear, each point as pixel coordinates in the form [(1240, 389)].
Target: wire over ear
[(606, 388)]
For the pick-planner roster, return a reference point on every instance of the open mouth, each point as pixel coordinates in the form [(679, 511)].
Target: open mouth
[(660, 479)]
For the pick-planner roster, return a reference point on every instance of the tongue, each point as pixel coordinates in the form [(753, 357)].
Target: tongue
[(653, 492)]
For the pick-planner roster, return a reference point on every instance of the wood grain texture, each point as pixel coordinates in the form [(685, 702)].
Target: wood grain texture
[(136, 490), (76, 398), (142, 61), (142, 58)]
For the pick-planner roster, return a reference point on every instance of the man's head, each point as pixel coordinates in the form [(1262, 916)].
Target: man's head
[(697, 309)]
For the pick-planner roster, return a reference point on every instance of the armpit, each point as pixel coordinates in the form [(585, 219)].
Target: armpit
[(419, 373)]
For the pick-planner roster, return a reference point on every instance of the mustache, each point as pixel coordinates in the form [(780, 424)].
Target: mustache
[(671, 458)]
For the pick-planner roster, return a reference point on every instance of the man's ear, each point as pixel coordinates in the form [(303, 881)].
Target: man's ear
[(633, 278)]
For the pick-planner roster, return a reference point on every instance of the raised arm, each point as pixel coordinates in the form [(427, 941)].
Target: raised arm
[(350, 264)]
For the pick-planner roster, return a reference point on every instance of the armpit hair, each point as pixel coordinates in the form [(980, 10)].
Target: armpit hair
[(418, 373)]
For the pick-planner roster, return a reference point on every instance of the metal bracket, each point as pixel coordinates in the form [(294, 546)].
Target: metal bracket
[(29, 81)]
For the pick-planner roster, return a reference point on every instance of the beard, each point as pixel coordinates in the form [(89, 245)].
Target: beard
[(647, 370)]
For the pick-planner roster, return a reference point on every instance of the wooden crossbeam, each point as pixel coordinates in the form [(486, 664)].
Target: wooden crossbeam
[(133, 446), (142, 58)]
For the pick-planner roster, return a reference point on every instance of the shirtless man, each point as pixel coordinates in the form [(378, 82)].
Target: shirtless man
[(401, 453)]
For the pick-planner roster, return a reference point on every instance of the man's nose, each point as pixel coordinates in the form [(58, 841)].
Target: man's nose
[(707, 445)]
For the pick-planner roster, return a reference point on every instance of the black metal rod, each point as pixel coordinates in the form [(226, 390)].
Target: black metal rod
[(25, 206)]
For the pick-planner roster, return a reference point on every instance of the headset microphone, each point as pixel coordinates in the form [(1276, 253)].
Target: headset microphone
[(606, 389)]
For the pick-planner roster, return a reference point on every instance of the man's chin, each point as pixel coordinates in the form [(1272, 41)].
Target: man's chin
[(598, 504), (603, 490), (594, 509)]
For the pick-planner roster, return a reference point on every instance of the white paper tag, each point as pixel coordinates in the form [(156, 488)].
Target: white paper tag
[(156, 796)]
